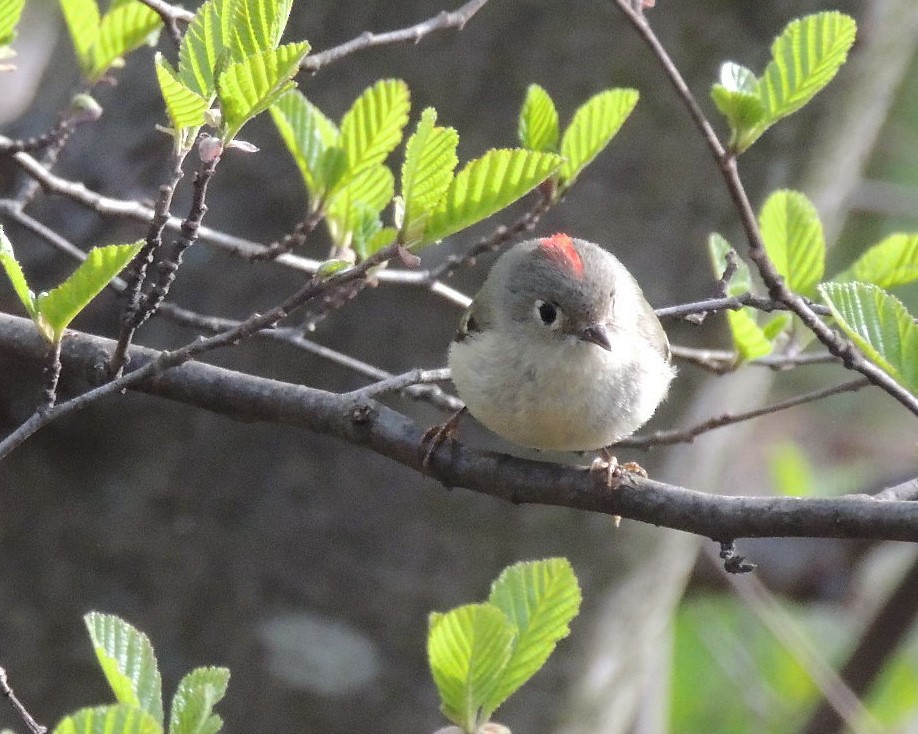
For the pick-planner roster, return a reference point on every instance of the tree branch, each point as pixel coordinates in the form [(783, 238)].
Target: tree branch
[(365, 423)]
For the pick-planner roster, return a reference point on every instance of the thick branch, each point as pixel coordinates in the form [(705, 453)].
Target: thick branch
[(366, 423)]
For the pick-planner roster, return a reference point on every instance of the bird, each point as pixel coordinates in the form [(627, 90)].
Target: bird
[(560, 350)]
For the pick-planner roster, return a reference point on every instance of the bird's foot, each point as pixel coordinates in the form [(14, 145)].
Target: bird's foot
[(437, 435), (606, 464)]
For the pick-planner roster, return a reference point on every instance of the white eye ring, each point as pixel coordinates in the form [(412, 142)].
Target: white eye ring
[(548, 314)]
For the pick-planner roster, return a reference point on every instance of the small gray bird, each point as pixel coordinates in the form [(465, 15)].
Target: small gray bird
[(560, 350)]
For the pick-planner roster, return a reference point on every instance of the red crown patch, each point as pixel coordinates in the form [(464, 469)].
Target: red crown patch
[(559, 248)]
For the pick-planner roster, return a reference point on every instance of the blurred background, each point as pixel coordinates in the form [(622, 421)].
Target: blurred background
[(308, 567)]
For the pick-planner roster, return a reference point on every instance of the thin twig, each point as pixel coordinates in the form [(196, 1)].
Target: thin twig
[(397, 383), (777, 288), (688, 435), (171, 15), (413, 34), (722, 361), (732, 303), (33, 726)]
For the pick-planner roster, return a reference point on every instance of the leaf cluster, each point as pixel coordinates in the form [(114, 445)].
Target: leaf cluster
[(876, 321), (129, 664), (53, 311), (480, 654)]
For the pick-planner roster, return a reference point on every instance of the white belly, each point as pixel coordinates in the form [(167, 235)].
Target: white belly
[(572, 396)]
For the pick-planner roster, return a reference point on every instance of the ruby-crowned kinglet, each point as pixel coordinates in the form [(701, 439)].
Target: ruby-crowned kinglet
[(560, 350)]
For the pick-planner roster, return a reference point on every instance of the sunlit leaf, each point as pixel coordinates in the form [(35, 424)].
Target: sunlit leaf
[(117, 719), (538, 125), (204, 47), (540, 598), (889, 263), (10, 12), (468, 649), (486, 185), (185, 108), (805, 58), (430, 159), (59, 307), (14, 273), (123, 28), (128, 662), (794, 239), (880, 325), (247, 88), (257, 26), (372, 128), (197, 694), (83, 20), (306, 132), (737, 98), (593, 126)]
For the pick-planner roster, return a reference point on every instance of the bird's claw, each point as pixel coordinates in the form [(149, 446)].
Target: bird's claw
[(436, 436)]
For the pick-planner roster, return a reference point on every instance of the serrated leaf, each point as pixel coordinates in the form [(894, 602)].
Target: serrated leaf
[(540, 599), (257, 26), (538, 126), (306, 132), (58, 307), (430, 159), (889, 263), (880, 325), (197, 694), (737, 99), (247, 88), (123, 28), (372, 128), (10, 12), (468, 649), (360, 202), (748, 338), (116, 719), (127, 659), (14, 273), (185, 108), (486, 185), (805, 58), (593, 126), (83, 19), (794, 239), (204, 47)]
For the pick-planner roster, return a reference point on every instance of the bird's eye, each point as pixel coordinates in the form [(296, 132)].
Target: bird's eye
[(547, 312)]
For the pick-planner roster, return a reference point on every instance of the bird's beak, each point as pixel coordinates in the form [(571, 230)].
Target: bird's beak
[(598, 335)]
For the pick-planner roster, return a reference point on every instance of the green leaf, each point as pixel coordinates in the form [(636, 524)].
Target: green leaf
[(58, 307), (204, 47), (794, 239), (257, 26), (737, 98), (125, 27), (307, 133), (468, 649), (805, 58), (880, 325), (372, 128), (538, 126), (247, 88), (14, 273), (889, 263), (540, 598), (486, 185), (127, 659), (594, 125), (10, 12), (375, 242), (83, 20), (748, 338), (117, 719), (362, 198), (197, 694), (185, 108), (776, 325), (430, 159)]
